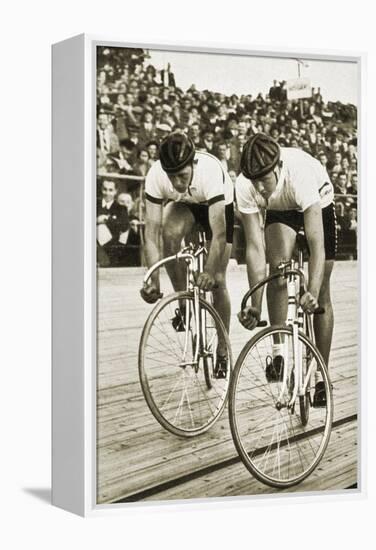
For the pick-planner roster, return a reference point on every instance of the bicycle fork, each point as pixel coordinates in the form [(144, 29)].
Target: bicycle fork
[(193, 311)]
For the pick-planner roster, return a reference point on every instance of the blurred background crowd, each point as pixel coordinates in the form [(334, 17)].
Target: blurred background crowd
[(137, 106)]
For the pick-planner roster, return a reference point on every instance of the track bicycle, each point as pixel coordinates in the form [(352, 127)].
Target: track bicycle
[(177, 353), (279, 435)]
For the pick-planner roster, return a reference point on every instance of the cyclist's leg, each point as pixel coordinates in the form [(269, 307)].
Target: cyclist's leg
[(280, 241), (221, 297), (323, 324), (177, 222)]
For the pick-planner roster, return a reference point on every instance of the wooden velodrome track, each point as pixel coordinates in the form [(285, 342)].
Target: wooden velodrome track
[(138, 460)]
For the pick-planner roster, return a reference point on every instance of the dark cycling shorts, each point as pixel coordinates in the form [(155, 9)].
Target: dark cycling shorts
[(201, 215), (295, 220)]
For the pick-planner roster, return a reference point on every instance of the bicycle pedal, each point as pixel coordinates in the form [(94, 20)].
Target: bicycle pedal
[(274, 368), (220, 369), (178, 322), (319, 398)]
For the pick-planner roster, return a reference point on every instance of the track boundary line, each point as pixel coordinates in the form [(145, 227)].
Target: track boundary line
[(151, 491)]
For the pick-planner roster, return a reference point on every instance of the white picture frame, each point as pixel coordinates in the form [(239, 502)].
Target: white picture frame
[(74, 268)]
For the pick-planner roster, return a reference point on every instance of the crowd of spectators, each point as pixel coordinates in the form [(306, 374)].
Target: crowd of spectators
[(137, 106)]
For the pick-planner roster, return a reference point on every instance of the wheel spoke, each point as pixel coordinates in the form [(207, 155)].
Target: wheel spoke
[(190, 400), (272, 439)]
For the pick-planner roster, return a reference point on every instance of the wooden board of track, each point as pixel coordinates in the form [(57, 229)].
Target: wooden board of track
[(138, 460)]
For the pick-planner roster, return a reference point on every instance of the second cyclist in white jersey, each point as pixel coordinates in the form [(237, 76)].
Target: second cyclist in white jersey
[(183, 188), (297, 194)]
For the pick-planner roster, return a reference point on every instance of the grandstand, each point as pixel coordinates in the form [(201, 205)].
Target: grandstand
[(137, 105)]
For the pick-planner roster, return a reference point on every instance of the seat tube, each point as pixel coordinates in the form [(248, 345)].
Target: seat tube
[(291, 298)]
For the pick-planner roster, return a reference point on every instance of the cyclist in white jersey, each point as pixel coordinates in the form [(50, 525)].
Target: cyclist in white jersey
[(183, 188), (296, 192)]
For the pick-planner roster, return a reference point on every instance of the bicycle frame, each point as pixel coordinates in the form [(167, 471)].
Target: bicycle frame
[(194, 256), (298, 321), (296, 318)]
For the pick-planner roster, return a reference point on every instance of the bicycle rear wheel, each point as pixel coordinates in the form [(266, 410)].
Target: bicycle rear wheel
[(180, 389), (274, 443)]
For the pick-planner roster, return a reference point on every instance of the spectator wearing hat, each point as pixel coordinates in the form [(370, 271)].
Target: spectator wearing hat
[(134, 137), (167, 116), (163, 130), (147, 128)]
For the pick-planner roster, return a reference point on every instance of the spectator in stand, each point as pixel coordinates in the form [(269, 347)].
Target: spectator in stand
[(353, 169), (337, 166), (129, 253), (107, 140), (133, 95), (125, 199), (341, 184), (242, 129), (163, 130), (142, 165), (223, 154), (353, 188), (233, 176), (207, 142), (323, 159), (112, 221), (125, 158), (194, 133), (147, 129), (134, 136), (152, 149)]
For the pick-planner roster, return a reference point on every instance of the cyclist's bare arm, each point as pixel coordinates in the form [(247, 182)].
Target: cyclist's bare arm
[(217, 222), (255, 254), (153, 226), (315, 237)]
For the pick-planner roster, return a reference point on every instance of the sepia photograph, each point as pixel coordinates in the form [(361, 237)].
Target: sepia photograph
[(227, 275)]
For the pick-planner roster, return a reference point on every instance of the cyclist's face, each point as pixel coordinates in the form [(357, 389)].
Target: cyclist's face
[(267, 184), (182, 180)]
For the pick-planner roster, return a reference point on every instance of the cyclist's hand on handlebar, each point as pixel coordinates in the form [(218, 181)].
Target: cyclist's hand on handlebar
[(309, 302), (150, 293), (249, 317), (205, 281)]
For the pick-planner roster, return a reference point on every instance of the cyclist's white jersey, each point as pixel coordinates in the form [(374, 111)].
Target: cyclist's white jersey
[(303, 181), (210, 183)]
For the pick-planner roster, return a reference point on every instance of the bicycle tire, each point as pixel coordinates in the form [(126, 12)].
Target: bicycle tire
[(204, 394), (305, 403), (244, 425)]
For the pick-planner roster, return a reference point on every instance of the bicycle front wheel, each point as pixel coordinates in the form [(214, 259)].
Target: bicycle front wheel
[(275, 444), (176, 365)]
